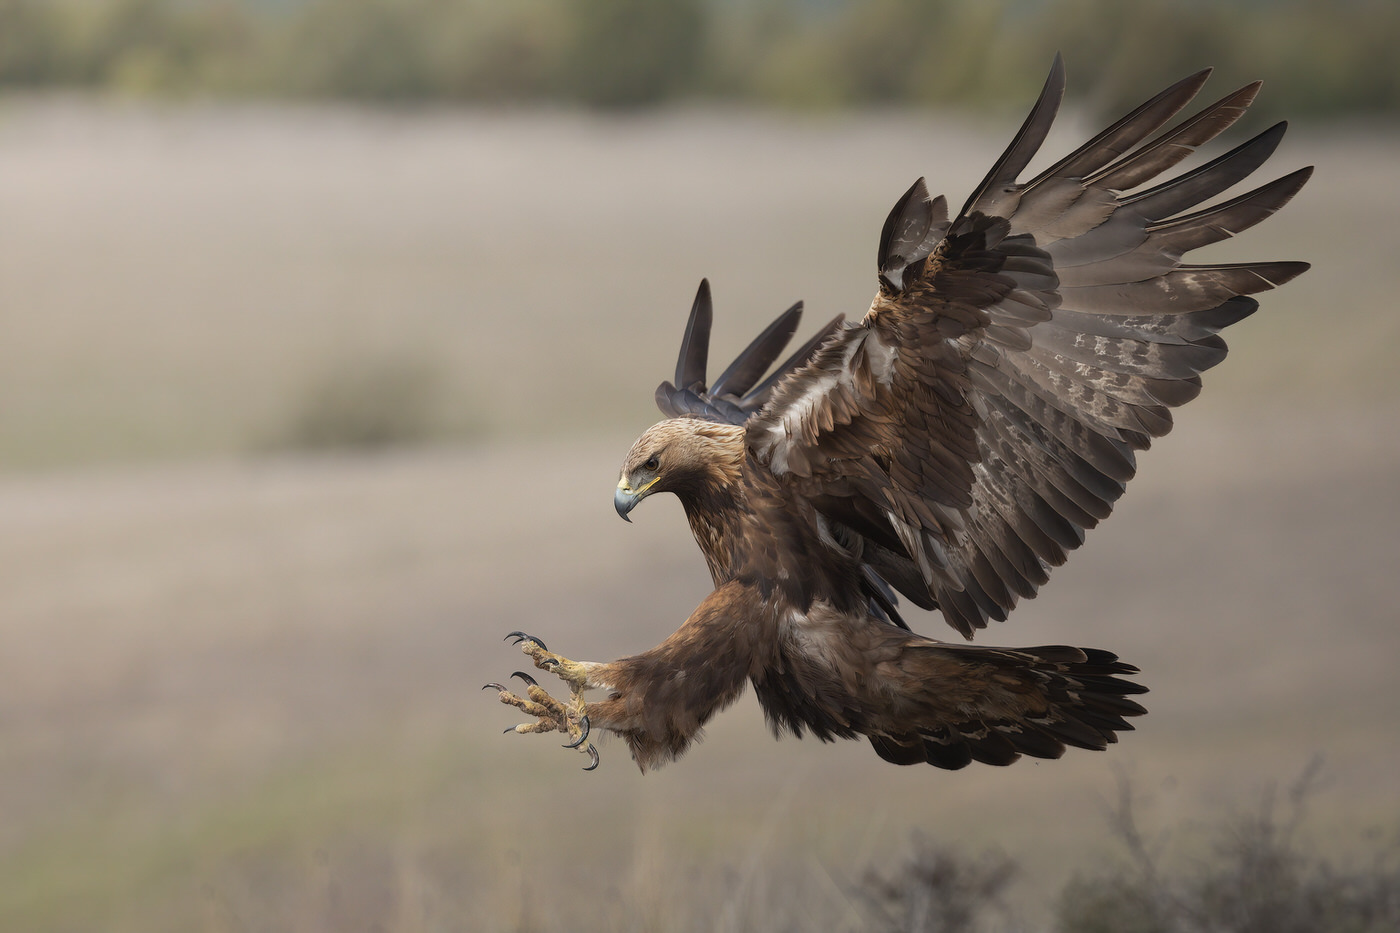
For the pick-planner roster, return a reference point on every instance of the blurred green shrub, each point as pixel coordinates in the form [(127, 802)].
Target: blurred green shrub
[(31, 43), (1319, 56), (628, 52)]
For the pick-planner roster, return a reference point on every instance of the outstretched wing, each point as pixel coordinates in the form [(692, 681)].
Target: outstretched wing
[(985, 412)]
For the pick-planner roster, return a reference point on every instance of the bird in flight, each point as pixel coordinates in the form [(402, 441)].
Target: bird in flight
[(950, 447)]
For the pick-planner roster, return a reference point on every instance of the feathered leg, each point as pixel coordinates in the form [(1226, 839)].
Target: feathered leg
[(659, 700)]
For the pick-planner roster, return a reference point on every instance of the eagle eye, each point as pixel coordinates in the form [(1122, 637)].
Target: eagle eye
[(651, 464)]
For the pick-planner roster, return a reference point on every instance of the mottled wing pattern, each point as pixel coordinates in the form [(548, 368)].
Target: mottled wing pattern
[(986, 411)]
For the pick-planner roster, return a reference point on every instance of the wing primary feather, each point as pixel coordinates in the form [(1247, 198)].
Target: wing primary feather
[(1185, 289), (1163, 243), (1171, 147), (1167, 328), (754, 361), (1028, 138), (1127, 132), (1210, 179), (695, 345), (1202, 228)]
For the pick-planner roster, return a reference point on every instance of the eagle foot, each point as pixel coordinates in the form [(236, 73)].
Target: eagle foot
[(571, 672), (551, 715)]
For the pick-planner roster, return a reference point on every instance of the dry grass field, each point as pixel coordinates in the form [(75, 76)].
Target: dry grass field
[(239, 676)]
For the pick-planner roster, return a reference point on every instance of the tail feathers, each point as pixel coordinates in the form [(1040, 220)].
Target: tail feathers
[(1034, 701)]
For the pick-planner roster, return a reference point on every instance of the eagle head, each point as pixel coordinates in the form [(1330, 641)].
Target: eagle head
[(687, 456)]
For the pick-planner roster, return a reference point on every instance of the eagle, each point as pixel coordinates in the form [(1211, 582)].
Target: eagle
[(949, 448)]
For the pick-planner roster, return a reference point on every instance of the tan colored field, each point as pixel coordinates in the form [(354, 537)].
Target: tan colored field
[(239, 684)]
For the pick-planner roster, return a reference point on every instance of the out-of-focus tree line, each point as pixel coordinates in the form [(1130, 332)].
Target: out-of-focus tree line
[(1319, 56)]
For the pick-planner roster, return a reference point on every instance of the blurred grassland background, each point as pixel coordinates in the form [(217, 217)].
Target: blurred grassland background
[(324, 326), (1322, 56)]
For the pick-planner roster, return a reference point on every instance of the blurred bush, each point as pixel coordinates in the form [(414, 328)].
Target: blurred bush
[(1260, 876), (937, 889), (1320, 56), (627, 52), (140, 46)]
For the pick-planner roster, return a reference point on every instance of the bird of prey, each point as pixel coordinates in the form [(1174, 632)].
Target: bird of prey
[(949, 447)]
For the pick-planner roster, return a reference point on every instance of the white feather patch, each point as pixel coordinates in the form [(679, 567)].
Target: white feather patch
[(820, 633)]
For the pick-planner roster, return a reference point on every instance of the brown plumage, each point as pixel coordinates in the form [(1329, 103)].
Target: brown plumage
[(953, 445)]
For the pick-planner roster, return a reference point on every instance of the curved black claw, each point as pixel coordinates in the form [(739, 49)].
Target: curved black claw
[(582, 735), (500, 687), (521, 636), (508, 731), (529, 681), (593, 754)]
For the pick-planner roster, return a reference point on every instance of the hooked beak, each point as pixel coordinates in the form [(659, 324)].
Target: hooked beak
[(625, 498)]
